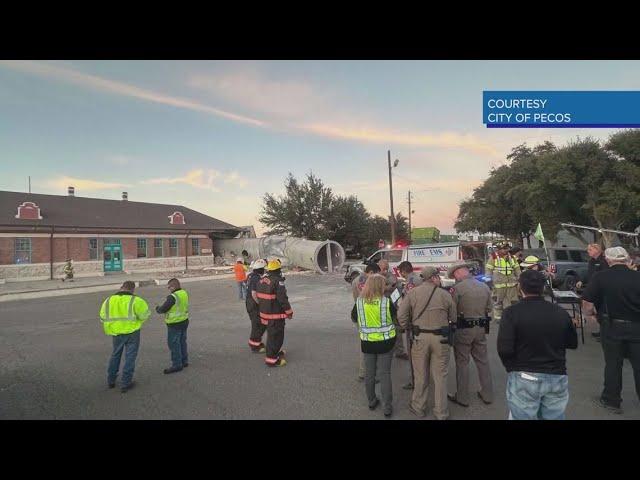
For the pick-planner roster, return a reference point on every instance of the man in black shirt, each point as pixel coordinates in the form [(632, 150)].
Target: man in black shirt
[(597, 263), (615, 295), (532, 340)]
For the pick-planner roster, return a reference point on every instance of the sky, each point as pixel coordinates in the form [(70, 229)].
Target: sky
[(215, 136)]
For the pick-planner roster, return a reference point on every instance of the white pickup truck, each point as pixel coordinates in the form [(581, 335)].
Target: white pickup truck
[(439, 255)]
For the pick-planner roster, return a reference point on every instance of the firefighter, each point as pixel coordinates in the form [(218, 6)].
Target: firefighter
[(503, 270), (257, 329), (122, 316), (274, 309), (428, 310), (473, 304)]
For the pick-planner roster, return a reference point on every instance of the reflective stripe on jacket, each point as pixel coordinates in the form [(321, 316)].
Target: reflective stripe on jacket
[(504, 271), (179, 311), (273, 302), (374, 320), (123, 313)]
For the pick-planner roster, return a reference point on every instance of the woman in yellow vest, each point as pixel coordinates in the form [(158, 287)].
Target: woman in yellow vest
[(176, 310), (375, 314)]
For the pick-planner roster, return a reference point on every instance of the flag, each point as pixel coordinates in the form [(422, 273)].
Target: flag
[(539, 235)]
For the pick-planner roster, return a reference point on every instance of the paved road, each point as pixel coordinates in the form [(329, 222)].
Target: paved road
[(53, 358)]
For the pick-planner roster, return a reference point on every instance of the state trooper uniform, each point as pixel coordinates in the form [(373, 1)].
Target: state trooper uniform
[(473, 303), (504, 271), (427, 309), (412, 280)]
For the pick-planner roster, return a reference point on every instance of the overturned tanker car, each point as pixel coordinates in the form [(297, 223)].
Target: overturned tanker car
[(322, 256)]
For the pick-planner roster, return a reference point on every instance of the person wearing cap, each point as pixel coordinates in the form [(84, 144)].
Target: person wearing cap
[(615, 295), (532, 262), (357, 285), (503, 270), (176, 311), (473, 304), (122, 316), (390, 284), (240, 271), (274, 309), (426, 309), (408, 281), (257, 329), (597, 263)]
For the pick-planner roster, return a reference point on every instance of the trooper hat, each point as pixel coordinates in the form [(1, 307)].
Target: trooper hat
[(457, 265), (428, 272)]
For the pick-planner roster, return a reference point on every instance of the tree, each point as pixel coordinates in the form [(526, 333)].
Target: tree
[(303, 211), (348, 222), (581, 182)]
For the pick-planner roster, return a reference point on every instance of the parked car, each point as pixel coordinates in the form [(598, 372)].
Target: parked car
[(569, 265)]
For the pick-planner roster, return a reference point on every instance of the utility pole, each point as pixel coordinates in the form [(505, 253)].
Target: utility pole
[(29, 183), (393, 218), (409, 200)]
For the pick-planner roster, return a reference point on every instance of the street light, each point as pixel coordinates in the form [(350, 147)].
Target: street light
[(393, 218)]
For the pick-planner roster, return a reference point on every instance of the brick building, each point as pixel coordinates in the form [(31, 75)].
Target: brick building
[(39, 232)]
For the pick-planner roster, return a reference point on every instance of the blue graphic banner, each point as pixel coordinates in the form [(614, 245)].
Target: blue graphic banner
[(561, 109)]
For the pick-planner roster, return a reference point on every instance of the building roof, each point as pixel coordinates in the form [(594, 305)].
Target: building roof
[(86, 213)]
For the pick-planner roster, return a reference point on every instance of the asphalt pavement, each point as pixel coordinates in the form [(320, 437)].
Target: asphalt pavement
[(53, 358)]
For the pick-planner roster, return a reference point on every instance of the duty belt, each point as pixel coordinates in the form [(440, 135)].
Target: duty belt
[(472, 322)]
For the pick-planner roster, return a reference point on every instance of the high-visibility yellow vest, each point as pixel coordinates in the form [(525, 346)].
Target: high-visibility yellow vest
[(179, 312), (123, 313), (503, 272), (374, 320)]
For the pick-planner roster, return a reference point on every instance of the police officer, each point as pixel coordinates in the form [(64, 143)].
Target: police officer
[(390, 284), (257, 329), (122, 316), (356, 288), (473, 304), (427, 309), (274, 308), (176, 311), (615, 294), (503, 270), (408, 281)]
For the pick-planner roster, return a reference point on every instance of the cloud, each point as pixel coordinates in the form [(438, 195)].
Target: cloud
[(249, 89), (199, 178), (386, 137), (290, 105), (234, 178), (80, 184), (98, 83)]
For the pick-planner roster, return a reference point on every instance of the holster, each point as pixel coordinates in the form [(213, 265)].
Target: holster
[(463, 322)]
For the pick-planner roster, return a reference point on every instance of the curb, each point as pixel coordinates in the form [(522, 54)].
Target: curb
[(33, 294)]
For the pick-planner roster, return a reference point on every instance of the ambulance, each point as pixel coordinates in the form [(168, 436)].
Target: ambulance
[(439, 255)]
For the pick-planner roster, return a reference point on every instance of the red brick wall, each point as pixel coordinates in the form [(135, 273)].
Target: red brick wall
[(7, 247), (129, 247)]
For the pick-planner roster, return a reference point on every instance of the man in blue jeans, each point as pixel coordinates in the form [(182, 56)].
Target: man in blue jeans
[(533, 337), (122, 316), (176, 309)]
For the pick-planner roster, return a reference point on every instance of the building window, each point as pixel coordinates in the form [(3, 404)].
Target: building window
[(23, 250), (173, 247), (93, 249), (142, 248), (157, 248), (195, 246)]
